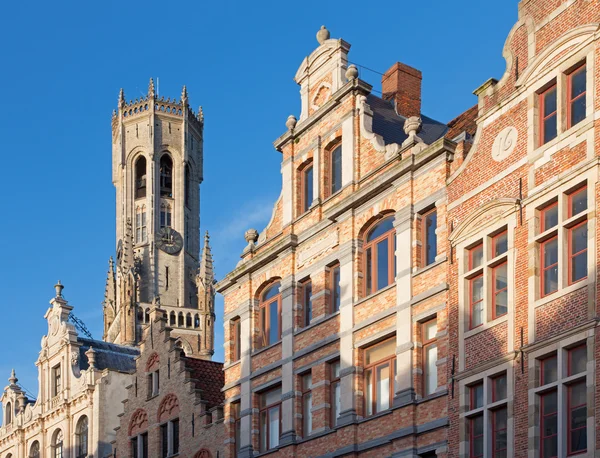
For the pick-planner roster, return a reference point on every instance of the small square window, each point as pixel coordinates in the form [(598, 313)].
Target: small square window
[(578, 201), (549, 217)]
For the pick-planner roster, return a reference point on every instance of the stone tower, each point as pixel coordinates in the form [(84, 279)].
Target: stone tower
[(157, 169)]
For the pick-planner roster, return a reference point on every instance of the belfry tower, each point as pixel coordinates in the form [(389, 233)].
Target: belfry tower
[(157, 154)]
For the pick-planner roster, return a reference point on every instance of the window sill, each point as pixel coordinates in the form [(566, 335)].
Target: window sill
[(375, 416), (582, 125), (315, 323), (264, 349), (485, 326), (561, 292), (371, 296), (232, 364), (430, 266), (152, 396)]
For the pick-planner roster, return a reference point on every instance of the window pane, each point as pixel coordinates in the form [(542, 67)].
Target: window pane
[(430, 369), (380, 351), (500, 290), (578, 360), (578, 393), (578, 88), (500, 426), (500, 244), (430, 238), (550, 266), (308, 188), (336, 289), (476, 256), (549, 370), (550, 128), (550, 447), (369, 269), (381, 228), (274, 427), (579, 440), (337, 401), (430, 329), (383, 264), (476, 396), (336, 169), (271, 397), (477, 436), (164, 441), (578, 82), (578, 108), (307, 290), (549, 102), (271, 292), (578, 202), (382, 401), (273, 322), (263, 431), (369, 392), (579, 245), (499, 388), (550, 252), (549, 217), (476, 301)]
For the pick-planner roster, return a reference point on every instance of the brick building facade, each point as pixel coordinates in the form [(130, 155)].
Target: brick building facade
[(173, 405), (427, 289)]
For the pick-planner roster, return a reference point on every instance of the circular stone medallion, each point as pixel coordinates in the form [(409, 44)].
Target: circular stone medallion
[(505, 143)]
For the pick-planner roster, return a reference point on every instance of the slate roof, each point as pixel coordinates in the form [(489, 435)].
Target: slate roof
[(209, 378), (108, 355), (390, 125)]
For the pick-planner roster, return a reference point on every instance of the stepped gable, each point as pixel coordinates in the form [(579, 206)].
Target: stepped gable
[(209, 378)]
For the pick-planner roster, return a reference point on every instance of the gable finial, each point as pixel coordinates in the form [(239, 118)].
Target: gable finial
[(323, 35), (59, 288), (13, 378)]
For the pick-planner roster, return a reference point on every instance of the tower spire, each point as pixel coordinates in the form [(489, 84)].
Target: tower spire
[(110, 290), (128, 246), (121, 98), (206, 273)]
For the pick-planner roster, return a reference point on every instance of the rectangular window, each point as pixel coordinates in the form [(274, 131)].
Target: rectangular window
[(577, 360), (499, 388), (164, 440), (307, 188), (549, 261), (334, 285), (335, 393), (270, 419), (56, 380), (499, 290), (306, 405), (476, 256), (336, 169), (548, 115), (576, 93), (499, 429), (548, 370), (429, 238), (236, 332), (169, 438), (476, 436), (306, 302), (379, 376), (430, 356), (499, 244), (235, 411), (577, 201), (476, 396), (153, 384), (549, 425), (577, 418), (578, 252), (549, 217), (476, 301)]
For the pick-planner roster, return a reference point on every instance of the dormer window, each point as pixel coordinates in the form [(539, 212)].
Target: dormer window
[(166, 176), (56, 381), (140, 177)]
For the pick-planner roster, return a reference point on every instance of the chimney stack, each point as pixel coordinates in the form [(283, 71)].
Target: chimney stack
[(402, 84)]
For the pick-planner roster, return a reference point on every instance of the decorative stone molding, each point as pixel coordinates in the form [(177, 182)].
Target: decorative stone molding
[(366, 129), (505, 143)]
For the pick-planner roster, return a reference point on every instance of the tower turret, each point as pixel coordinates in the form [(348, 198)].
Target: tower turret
[(157, 169)]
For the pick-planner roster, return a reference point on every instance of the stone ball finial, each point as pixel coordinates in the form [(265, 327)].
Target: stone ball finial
[(323, 35), (251, 235), (291, 122), (351, 72)]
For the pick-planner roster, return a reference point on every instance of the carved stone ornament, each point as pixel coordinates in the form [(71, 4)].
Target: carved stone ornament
[(203, 454), (75, 358), (54, 325), (504, 144)]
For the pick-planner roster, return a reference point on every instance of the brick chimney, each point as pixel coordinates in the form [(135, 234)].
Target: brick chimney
[(402, 84)]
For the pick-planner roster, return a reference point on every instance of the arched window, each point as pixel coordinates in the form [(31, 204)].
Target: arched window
[(140, 177), (81, 438), (140, 314), (379, 256), (8, 413), (180, 319), (336, 169), (34, 450), (141, 231), (57, 444), (166, 176), (270, 315), (147, 316), (306, 183), (188, 320), (172, 319), (196, 321), (165, 215)]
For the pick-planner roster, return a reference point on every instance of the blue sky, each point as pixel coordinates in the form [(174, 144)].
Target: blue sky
[(63, 64)]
